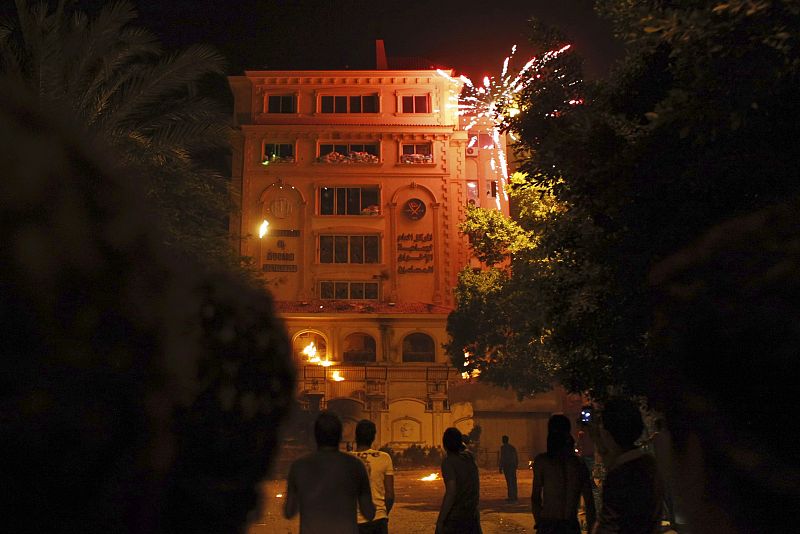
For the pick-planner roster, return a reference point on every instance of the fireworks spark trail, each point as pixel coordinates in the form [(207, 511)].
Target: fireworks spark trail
[(495, 100)]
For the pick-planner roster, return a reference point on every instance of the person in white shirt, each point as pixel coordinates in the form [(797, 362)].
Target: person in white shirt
[(381, 479)]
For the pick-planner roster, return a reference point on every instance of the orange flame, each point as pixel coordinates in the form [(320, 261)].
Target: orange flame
[(432, 476)]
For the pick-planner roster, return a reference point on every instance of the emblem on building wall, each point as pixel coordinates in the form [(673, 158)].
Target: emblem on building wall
[(414, 209), (280, 207)]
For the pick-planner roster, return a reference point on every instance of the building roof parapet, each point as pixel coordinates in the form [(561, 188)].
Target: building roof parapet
[(386, 128), (316, 77), (317, 306)]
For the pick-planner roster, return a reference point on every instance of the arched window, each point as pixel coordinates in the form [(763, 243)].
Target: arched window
[(359, 348), (310, 347), (419, 348)]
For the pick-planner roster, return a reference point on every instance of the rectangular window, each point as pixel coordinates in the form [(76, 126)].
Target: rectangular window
[(416, 153), (480, 140), (348, 104), (277, 153), (349, 200), (348, 249), (473, 198), (281, 104), (348, 290), (416, 104), (349, 153)]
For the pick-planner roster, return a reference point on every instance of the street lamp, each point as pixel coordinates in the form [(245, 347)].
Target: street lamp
[(262, 230)]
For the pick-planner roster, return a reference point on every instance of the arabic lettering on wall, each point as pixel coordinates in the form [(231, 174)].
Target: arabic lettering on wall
[(414, 253), (282, 255)]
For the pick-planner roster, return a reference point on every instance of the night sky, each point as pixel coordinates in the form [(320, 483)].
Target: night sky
[(470, 36)]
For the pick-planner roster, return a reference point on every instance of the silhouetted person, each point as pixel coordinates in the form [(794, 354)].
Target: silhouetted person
[(560, 479), (632, 494), (328, 487), (459, 511), (381, 479), (508, 466), (726, 341), (138, 395)]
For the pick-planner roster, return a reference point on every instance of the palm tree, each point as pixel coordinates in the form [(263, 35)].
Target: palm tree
[(147, 105)]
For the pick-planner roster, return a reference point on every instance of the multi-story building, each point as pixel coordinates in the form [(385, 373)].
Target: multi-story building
[(352, 186)]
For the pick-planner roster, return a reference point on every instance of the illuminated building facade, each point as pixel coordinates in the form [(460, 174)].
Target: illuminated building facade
[(362, 178)]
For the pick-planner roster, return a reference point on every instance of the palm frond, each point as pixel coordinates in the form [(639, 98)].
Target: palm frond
[(104, 45), (171, 74), (145, 106)]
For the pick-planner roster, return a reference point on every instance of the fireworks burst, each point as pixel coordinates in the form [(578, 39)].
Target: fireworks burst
[(495, 100)]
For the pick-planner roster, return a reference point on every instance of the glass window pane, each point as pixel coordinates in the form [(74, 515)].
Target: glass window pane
[(288, 104), (326, 290), (341, 149), (355, 104), (408, 104), (356, 290), (418, 348), (326, 196), (286, 150), (325, 149), (341, 200), (340, 104), (326, 249), (353, 201), (370, 104), (473, 197), (356, 249), (340, 249), (421, 104), (371, 249), (327, 104), (359, 348), (370, 197), (269, 150), (371, 291), (371, 149), (408, 149), (423, 149), (340, 290), (356, 148)]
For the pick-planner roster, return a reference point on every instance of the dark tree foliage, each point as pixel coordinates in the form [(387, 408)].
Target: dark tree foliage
[(698, 124), (138, 394), (728, 329), (152, 109)]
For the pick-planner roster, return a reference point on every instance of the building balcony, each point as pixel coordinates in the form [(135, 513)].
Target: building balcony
[(336, 158), (416, 159), (363, 382)]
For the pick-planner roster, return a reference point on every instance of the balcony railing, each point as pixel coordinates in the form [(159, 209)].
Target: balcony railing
[(371, 380)]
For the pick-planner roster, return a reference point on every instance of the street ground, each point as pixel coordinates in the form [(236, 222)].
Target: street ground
[(417, 505)]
